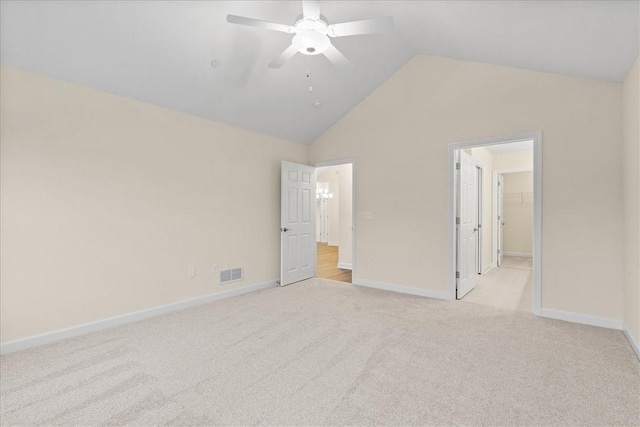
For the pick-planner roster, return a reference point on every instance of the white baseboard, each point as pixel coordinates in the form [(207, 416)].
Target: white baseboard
[(330, 243), (633, 342), (345, 265), (74, 331), (584, 319), (519, 254), (402, 289)]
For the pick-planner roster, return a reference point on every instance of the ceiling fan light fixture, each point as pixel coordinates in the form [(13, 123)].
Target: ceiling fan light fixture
[(310, 42), (312, 33)]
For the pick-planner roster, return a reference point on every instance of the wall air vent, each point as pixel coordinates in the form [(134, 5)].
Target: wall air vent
[(231, 275)]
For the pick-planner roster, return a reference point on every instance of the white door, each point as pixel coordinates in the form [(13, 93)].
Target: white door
[(500, 218), (479, 207), (297, 223), (467, 224)]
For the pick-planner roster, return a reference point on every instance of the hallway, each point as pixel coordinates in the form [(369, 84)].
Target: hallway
[(507, 287), (327, 264)]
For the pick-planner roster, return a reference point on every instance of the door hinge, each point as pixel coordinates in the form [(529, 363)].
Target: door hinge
[(498, 250), (457, 274), (457, 166), (457, 221)]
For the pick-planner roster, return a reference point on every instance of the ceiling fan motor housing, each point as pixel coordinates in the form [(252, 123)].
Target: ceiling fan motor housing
[(310, 42), (311, 36)]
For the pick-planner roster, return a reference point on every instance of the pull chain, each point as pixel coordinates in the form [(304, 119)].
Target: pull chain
[(309, 74), (316, 103)]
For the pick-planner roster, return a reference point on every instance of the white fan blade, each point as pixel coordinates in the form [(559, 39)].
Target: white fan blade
[(234, 19), (311, 9), (355, 28), (335, 56), (284, 57)]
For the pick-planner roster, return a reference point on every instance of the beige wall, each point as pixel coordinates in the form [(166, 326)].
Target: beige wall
[(521, 160), (330, 176), (107, 201), (631, 99), (346, 217), (518, 213), (404, 127)]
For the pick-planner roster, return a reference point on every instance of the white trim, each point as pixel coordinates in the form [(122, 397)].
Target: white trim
[(632, 342), (330, 243), (480, 212), (537, 223), (494, 219), (98, 325), (537, 208), (584, 319), (511, 170), (345, 265), (338, 162), (519, 254), (402, 289)]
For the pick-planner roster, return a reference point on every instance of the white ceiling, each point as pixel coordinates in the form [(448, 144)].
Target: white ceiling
[(160, 52)]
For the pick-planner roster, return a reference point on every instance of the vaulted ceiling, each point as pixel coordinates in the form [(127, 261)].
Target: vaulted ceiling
[(161, 52)]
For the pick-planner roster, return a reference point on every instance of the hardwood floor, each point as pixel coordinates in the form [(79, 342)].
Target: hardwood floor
[(327, 266)]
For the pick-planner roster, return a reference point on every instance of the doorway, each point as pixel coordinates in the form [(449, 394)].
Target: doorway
[(334, 221), (304, 222), (495, 222)]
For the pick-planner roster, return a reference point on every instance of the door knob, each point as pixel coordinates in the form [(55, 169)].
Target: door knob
[(285, 229)]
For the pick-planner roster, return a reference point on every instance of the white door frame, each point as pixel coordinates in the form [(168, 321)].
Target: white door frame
[(537, 207), (494, 216), (480, 213), (467, 223), (352, 162)]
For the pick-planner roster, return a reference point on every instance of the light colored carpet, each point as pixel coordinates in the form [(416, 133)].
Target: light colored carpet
[(322, 352), (523, 263), (504, 287)]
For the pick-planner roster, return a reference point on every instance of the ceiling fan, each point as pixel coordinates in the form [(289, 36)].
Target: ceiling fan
[(313, 33)]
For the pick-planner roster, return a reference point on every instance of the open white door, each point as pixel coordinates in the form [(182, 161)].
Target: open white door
[(467, 224), (500, 218), (479, 214), (297, 219)]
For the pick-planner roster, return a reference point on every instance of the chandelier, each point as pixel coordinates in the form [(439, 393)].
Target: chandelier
[(323, 194)]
